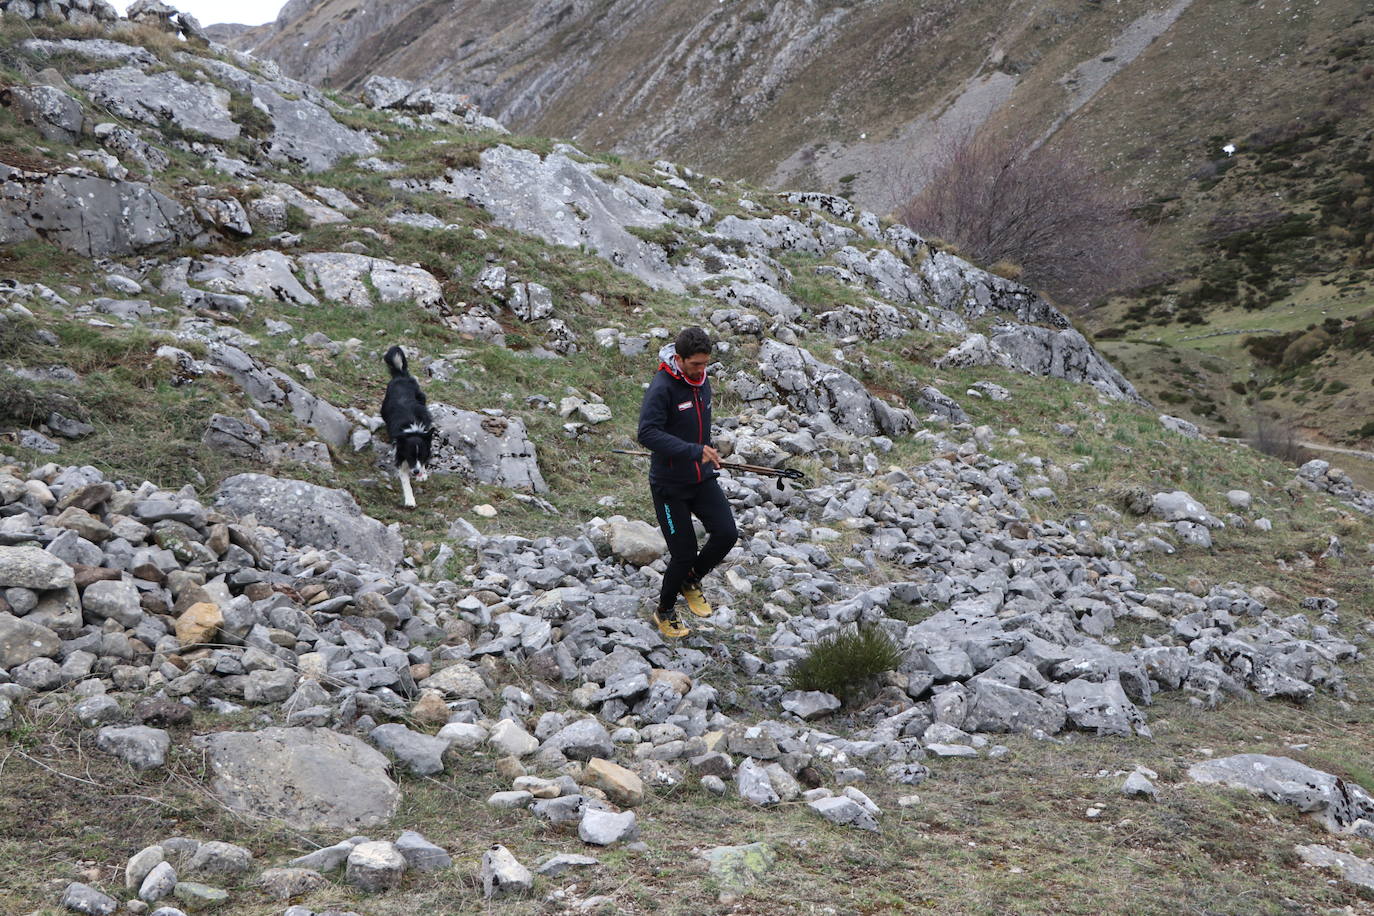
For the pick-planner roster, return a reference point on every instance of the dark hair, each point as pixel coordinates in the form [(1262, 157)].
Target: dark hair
[(692, 341)]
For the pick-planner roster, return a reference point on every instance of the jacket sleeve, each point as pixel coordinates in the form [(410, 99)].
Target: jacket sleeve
[(653, 421)]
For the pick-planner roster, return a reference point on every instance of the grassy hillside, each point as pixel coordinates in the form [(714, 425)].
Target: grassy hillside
[(1040, 830)]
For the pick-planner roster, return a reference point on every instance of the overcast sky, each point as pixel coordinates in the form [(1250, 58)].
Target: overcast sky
[(209, 12)]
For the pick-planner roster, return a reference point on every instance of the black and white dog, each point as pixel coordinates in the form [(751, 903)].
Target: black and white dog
[(407, 423)]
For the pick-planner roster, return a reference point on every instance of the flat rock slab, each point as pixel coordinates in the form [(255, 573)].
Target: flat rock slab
[(202, 108), (308, 515), (95, 217), (563, 202), (312, 779), (1336, 802), (1352, 868)]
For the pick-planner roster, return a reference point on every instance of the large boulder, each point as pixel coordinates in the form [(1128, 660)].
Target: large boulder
[(997, 707), (564, 202), (1337, 803), (55, 115), (197, 108), (1064, 354), (491, 449), (94, 217), (309, 515), (813, 387), (312, 779), (354, 279)]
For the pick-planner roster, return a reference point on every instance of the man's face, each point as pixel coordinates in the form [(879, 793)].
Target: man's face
[(694, 366)]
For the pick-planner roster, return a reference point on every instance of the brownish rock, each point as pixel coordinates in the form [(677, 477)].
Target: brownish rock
[(218, 541), (680, 681), (161, 712), (148, 573), (620, 785), (84, 524), (430, 709), (199, 623), (85, 575), (87, 497)]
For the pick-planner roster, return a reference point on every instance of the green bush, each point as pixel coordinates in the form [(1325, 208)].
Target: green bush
[(846, 663)]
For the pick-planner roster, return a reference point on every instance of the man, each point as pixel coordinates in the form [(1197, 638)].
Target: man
[(675, 424)]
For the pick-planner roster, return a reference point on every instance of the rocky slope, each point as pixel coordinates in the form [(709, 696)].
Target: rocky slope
[(1241, 131), (306, 700)]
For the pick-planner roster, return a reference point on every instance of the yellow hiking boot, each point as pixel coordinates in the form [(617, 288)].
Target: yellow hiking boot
[(670, 627), (696, 601)]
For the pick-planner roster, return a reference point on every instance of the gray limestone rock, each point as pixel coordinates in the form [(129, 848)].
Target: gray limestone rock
[(159, 883), (422, 754), (375, 866), (1064, 354), (556, 865), (491, 449), (1138, 785), (502, 874), (1350, 867), (266, 274), (637, 543), (81, 898), (933, 400), (141, 747), (199, 107), (996, 707), (564, 202), (1178, 506), (605, 828), (845, 812), (33, 568), (582, 740), (290, 883), (311, 778), (22, 640), (420, 854), (810, 704), (1337, 803), (56, 115), (95, 217), (753, 784), (114, 599), (354, 279), (310, 515), (1102, 706), (812, 386)]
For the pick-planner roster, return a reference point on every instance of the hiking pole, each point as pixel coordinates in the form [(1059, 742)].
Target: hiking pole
[(780, 473)]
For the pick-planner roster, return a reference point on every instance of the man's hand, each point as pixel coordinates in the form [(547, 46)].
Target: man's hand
[(710, 456)]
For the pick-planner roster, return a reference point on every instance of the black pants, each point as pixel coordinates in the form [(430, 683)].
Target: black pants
[(675, 506)]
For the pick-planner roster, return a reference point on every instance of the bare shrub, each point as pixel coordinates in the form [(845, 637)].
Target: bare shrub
[(1274, 436), (1050, 211)]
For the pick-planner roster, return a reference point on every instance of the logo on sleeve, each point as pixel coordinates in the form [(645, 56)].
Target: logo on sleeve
[(685, 405)]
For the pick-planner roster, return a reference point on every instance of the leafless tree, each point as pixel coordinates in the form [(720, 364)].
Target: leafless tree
[(1275, 436), (1049, 211)]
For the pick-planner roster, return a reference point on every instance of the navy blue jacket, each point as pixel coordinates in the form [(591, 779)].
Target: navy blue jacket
[(674, 424)]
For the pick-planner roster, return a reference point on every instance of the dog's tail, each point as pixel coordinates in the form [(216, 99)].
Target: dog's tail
[(396, 361)]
